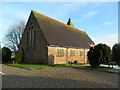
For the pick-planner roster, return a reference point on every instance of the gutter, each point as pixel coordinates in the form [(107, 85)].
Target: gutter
[(65, 46)]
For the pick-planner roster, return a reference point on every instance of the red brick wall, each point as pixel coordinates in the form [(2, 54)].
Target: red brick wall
[(52, 58)]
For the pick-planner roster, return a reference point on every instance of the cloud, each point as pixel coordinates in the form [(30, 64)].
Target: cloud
[(88, 14), (91, 13), (107, 23), (109, 40)]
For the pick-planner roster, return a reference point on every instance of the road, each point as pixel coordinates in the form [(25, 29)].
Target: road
[(57, 77)]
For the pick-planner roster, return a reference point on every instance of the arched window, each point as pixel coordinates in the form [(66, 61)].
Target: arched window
[(32, 37)]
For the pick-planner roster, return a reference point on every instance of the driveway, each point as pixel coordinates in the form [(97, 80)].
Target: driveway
[(57, 77)]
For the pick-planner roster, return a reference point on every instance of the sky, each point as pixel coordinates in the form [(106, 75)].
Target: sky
[(98, 19)]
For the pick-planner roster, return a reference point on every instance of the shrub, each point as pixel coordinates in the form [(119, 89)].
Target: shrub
[(76, 62), (6, 54), (12, 59), (90, 57), (116, 53), (100, 54), (0, 55), (69, 62), (19, 56)]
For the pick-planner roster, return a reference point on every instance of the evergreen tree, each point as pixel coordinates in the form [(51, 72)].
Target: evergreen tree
[(116, 53), (6, 54), (100, 54)]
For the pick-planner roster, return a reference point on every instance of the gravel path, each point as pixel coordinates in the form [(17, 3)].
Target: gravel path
[(57, 77)]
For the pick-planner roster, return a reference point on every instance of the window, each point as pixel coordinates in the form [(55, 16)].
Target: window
[(27, 40), (72, 52), (32, 37), (60, 52), (81, 53)]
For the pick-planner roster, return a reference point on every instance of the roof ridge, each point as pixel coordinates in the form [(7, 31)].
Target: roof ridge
[(58, 21)]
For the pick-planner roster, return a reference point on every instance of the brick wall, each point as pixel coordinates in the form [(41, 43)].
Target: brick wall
[(52, 58)]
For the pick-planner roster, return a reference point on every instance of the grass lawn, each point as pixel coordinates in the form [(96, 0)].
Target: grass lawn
[(29, 66), (35, 66), (38, 66), (101, 68)]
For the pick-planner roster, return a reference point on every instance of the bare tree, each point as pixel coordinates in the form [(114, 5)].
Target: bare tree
[(14, 35)]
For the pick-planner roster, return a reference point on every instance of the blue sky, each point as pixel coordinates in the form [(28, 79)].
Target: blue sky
[(98, 19)]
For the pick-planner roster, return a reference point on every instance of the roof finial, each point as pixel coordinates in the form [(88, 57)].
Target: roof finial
[(70, 22)]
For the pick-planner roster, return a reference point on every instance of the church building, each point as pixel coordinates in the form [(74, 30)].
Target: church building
[(49, 41)]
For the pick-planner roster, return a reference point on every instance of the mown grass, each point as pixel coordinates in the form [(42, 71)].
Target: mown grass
[(35, 66), (29, 66), (38, 66), (100, 68)]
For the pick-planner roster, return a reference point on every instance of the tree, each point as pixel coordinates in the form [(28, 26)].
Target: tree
[(19, 56), (0, 54), (14, 35), (100, 54), (6, 54), (91, 57), (116, 53)]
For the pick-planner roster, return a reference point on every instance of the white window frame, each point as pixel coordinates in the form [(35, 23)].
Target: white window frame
[(59, 52), (72, 52), (81, 53)]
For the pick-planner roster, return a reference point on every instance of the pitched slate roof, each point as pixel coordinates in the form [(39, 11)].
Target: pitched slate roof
[(58, 33)]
